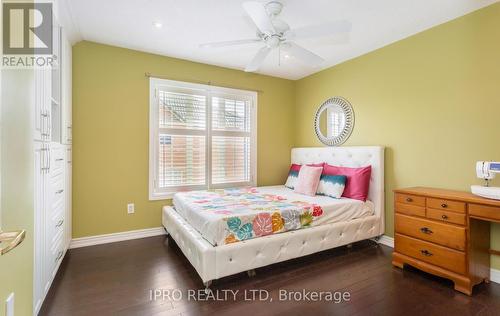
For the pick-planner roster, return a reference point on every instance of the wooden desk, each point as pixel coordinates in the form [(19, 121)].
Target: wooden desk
[(446, 233)]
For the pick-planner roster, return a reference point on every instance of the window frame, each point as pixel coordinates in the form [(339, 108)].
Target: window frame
[(209, 91)]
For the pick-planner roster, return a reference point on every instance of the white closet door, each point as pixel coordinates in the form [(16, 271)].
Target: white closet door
[(39, 119), (40, 188), (68, 219), (67, 127)]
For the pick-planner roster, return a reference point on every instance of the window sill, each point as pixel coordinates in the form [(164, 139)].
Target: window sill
[(161, 196)]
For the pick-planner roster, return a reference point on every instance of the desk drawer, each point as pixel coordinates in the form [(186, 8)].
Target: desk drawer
[(491, 213), (410, 199), (441, 204), (409, 209), (446, 216), (446, 258), (443, 234)]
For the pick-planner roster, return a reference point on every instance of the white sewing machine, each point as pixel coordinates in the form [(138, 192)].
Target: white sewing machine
[(486, 170)]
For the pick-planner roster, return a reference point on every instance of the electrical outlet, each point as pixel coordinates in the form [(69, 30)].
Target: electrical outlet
[(130, 208), (9, 305)]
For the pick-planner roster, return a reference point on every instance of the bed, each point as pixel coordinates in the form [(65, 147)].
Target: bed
[(209, 226)]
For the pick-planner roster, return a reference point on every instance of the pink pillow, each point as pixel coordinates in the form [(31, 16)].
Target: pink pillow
[(358, 180), (308, 180), (296, 167), (293, 174)]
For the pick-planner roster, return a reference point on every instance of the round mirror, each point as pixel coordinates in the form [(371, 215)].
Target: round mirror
[(334, 121)]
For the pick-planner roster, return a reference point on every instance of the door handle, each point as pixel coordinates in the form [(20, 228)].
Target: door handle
[(10, 240), (59, 256), (48, 159), (44, 158)]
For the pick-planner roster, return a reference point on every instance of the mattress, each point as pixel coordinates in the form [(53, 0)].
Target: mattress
[(232, 215)]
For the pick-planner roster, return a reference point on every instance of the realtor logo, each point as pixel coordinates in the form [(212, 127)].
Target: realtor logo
[(27, 28)]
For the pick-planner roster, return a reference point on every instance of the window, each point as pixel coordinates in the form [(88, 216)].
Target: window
[(201, 137)]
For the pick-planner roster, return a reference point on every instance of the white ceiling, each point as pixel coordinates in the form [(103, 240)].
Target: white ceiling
[(188, 23)]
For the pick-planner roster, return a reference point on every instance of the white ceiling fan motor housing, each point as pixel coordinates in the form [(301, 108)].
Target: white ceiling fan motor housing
[(274, 8)]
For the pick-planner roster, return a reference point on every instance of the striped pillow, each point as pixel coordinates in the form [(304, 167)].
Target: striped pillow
[(331, 185)]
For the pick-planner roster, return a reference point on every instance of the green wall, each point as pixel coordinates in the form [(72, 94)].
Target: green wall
[(432, 99), (111, 132)]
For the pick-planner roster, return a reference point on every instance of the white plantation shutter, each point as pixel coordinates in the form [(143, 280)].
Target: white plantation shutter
[(183, 109), (181, 138), (231, 113), (231, 139), (181, 160), (201, 137)]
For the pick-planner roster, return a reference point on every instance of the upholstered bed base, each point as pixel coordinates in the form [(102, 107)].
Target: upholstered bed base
[(216, 262)]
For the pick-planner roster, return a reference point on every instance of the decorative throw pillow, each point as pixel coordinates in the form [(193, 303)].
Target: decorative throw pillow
[(293, 174), (331, 185), (308, 180), (358, 180)]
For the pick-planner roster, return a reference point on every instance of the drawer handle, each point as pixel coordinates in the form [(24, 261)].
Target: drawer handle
[(60, 159), (426, 253), (59, 255), (444, 217), (59, 224), (59, 191), (444, 205), (426, 230), (409, 199)]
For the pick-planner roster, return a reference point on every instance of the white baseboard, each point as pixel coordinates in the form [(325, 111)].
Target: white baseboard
[(389, 241), (386, 240), (109, 238), (495, 275)]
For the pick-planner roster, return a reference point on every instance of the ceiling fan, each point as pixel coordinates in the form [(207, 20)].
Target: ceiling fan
[(275, 33)]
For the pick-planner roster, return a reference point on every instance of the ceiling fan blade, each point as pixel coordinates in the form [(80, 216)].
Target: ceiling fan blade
[(321, 30), (257, 61), (258, 14), (230, 43), (301, 53)]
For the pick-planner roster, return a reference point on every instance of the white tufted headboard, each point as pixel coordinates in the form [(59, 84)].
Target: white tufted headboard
[(358, 156)]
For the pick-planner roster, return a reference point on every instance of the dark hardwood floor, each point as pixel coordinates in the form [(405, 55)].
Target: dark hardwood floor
[(116, 279)]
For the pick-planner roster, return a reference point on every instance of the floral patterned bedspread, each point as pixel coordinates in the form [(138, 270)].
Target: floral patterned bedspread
[(244, 213)]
